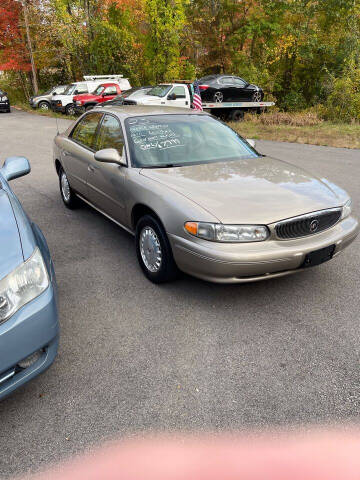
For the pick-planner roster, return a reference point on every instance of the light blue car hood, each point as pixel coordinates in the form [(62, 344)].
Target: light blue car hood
[(11, 254)]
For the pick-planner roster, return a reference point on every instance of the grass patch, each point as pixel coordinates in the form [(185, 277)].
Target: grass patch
[(299, 128), (48, 113)]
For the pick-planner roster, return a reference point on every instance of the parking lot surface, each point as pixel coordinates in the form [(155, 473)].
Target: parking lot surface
[(187, 356)]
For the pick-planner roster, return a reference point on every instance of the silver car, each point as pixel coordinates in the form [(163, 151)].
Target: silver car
[(43, 101), (198, 197)]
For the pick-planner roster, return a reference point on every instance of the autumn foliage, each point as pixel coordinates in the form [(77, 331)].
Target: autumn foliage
[(13, 51)]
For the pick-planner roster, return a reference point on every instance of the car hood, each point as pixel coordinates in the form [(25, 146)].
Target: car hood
[(11, 254), (148, 99), (255, 191)]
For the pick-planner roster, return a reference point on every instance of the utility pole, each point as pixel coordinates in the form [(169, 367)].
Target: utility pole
[(33, 69)]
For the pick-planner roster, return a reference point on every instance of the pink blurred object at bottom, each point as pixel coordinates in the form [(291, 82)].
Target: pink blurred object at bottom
[(320, 455)]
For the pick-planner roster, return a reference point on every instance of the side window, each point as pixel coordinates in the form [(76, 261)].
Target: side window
[(179, 91), (111, 134), (81, 88), (226, 80), (239, 82), (85, 131), (110, 90)]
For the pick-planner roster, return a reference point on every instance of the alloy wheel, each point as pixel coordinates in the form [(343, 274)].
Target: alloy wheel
[(257, 96), (218, 97)]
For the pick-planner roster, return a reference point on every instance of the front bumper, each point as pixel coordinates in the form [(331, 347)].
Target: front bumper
[(56, 107), (32, 329), (249, 262), (4, 106)]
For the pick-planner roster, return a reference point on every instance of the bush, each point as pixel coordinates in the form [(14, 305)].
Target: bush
[(343, 102)]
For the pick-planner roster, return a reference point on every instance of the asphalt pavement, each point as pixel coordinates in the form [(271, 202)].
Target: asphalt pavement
[(187, 356)]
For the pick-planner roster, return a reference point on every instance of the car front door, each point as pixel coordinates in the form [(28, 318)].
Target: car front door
[(109, 93), (240, 92), (106, 181), (78, 150), (181, 99)]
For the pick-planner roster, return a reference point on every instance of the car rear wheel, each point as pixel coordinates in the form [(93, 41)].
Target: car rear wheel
[(70, 109), (67, 194), (44, 106), (154, 251), (218, 97), (89, 107)]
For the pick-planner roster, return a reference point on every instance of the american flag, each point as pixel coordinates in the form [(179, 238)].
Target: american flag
[(197, 104)]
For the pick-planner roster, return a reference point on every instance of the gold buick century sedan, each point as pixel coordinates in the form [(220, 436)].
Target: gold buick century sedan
[(198, 197)]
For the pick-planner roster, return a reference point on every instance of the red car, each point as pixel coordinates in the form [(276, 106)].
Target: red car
[(103, 93)]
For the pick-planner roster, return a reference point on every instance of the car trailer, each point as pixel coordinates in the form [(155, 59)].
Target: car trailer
[(235, 110)]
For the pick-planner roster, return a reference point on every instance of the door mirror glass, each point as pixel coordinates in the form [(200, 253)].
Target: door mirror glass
[(251, 142), (171, 96), (15, 167), (109, 155)]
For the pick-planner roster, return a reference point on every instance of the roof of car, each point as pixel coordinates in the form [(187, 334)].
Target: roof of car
[(139, 110)]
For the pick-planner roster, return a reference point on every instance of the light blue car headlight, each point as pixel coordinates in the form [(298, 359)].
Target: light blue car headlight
[(22, 285)]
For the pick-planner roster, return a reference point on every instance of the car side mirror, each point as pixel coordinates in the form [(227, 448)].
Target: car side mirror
[(251, 142), (15, 167), (109, 155), (171, 96), (54, 93)]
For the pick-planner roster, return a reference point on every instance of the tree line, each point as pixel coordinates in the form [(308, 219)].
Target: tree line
[(303, 53)]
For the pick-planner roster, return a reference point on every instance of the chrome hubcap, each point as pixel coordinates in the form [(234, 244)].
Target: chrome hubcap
[(44, 106), (218, 97), (150, 249), (257, 97), (65, 187)]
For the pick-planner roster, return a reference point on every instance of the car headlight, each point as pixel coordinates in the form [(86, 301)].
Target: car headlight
[(346, 209), (78, 102), (218, 232), (22, 285), (4, 98)]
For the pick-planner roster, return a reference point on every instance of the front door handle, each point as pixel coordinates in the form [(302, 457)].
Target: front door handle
[(91, 168), (65, 153)]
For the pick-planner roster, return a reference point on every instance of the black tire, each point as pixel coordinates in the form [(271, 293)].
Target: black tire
[(70, 109), (43, 105), (167, 269), (71, 201), (236, 115), (89, 107), (8, 111)]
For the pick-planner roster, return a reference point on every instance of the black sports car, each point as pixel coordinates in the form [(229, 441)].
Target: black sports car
[(228, 88), (4, 102)]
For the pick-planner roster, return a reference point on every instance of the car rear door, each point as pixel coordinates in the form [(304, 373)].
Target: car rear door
[(106, 181), (78, 151)]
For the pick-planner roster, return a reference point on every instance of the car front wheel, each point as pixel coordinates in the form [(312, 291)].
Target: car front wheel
[(44, 106), (256, 96), (154, 251), (67, 194), (70, 109)]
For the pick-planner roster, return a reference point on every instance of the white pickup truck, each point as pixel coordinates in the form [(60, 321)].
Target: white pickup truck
[(178, 95)]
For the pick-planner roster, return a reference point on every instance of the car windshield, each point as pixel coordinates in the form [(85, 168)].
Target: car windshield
[(139, 92), (69, 89), (178, 140), (99, 90), (159, 90)]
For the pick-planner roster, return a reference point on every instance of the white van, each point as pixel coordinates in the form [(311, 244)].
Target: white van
[(64, 102)]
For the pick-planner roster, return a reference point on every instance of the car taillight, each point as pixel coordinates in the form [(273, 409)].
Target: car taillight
[(203, 87)]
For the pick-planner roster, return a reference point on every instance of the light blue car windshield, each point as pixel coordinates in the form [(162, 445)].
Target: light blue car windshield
[(177, 140)]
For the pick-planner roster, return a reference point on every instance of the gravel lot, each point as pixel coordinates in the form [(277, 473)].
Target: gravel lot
[(135, 357)]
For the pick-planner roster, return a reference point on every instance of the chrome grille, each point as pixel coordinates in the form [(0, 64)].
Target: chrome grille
[(308, 224)]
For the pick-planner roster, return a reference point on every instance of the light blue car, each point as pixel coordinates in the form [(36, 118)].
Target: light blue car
[(29, 328)]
